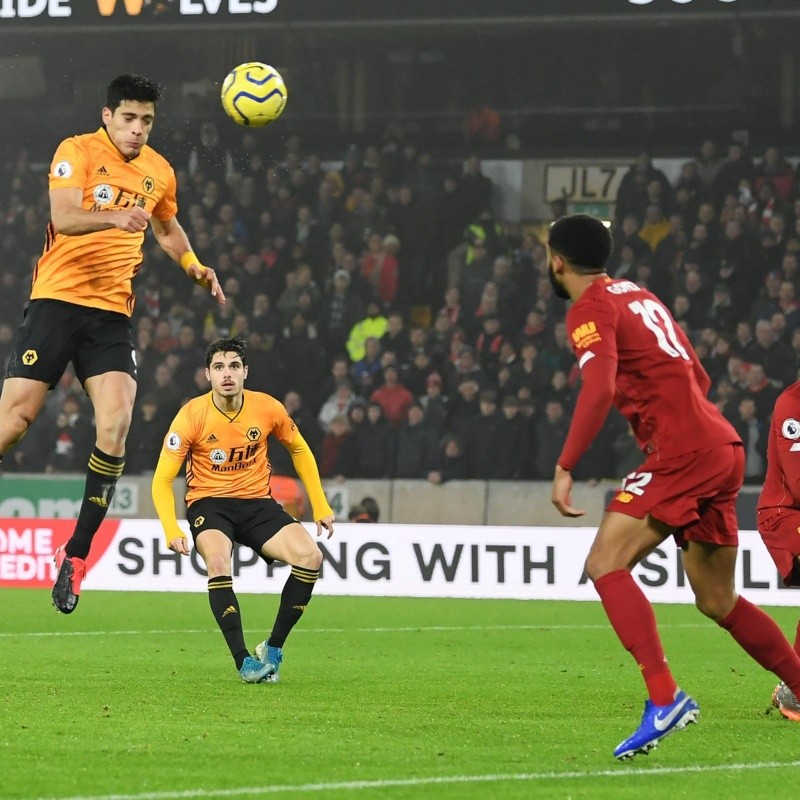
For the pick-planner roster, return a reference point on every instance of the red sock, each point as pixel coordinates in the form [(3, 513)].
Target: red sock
[(761, 638), (632, 617), (797, 640)]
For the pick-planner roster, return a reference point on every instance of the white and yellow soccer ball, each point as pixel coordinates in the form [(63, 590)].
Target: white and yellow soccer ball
[(253, 94)]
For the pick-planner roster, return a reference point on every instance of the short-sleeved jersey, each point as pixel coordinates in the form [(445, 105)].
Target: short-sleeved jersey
[(781, 488), (657, 387), (97, 269), (227, 456)]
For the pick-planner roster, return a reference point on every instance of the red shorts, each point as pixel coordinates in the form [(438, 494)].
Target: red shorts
[(780, 530), (695, 493)]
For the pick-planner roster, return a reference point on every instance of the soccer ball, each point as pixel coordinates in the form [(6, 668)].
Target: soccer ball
[(253, 94)]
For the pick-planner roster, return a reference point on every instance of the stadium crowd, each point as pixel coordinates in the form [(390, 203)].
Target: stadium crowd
[(409, 333)]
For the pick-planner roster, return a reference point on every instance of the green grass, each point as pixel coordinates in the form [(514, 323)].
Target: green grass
[(135, 695)]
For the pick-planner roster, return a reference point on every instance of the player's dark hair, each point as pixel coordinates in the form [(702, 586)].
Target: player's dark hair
[(234, 344), (132, 87), (583, 240)]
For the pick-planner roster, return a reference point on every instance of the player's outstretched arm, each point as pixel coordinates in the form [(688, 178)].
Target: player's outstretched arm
[(175, 243), (306, 466), (164, 502)]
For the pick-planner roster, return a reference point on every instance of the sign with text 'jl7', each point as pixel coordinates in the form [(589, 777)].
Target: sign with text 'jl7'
[(365, 559)]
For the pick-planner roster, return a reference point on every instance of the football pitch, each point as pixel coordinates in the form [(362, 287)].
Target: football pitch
[(135, 697)]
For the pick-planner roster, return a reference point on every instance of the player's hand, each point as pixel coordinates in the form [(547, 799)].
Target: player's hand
[(205, 276), (180, 544), (327, 524), (561, 494), (132, 220)]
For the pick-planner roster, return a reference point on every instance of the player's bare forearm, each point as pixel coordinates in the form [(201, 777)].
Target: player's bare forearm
[(173, 240), (171, 237), (78, 221), (561, 496)]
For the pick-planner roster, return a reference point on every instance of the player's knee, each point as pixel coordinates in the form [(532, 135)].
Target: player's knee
[(714, 606), (597, 565), (310, 558), (218, 564), (14, 422), (113, 430)]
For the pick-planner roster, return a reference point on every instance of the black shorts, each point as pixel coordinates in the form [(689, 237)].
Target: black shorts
[(249, 522), (54, 332)]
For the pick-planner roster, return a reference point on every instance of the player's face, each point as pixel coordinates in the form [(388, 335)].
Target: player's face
[(558, 288), (227, 374), (129, 126)]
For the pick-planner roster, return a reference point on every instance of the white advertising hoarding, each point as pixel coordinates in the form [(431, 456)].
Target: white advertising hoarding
[(365, 559)]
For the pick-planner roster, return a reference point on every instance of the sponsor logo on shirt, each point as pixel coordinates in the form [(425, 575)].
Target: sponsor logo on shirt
[(218, 456), (585, 335), (624, 497)]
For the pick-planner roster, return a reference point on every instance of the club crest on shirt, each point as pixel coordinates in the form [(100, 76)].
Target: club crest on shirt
[(790, 429), (585, 335)]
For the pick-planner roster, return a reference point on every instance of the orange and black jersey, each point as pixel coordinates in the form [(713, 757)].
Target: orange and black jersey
[(227, 455), (97, 269)]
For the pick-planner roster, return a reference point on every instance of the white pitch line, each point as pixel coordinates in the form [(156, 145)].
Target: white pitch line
[(449, 779), (403, 629)]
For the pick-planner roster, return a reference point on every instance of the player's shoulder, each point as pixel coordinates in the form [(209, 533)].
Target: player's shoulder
[(197, 406), (789, 397), (82, 142), (261, 400), (153, 157)]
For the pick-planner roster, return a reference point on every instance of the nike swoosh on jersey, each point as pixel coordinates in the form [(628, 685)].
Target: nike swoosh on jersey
[(661, 724)]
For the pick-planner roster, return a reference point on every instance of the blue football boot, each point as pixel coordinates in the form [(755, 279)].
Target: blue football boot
[(658, 722), (255, 671), (272, 656)]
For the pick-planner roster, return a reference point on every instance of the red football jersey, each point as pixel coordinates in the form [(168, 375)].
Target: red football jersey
[(625, 338), (782, 484)]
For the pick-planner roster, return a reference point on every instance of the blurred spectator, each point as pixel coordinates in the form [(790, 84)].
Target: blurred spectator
[(392, 396), (336, 405), (475, 189), (365, 511), (373, 325), (72, 438), (145, 437), (435, 404), (551, 433), (463, 409), (753, 433), (379, 266), (415, 446), (366, 370), (482, 438), (451, 463), (722, 314), (374, 444), (396, 340), (772, 353), (338, 455)]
